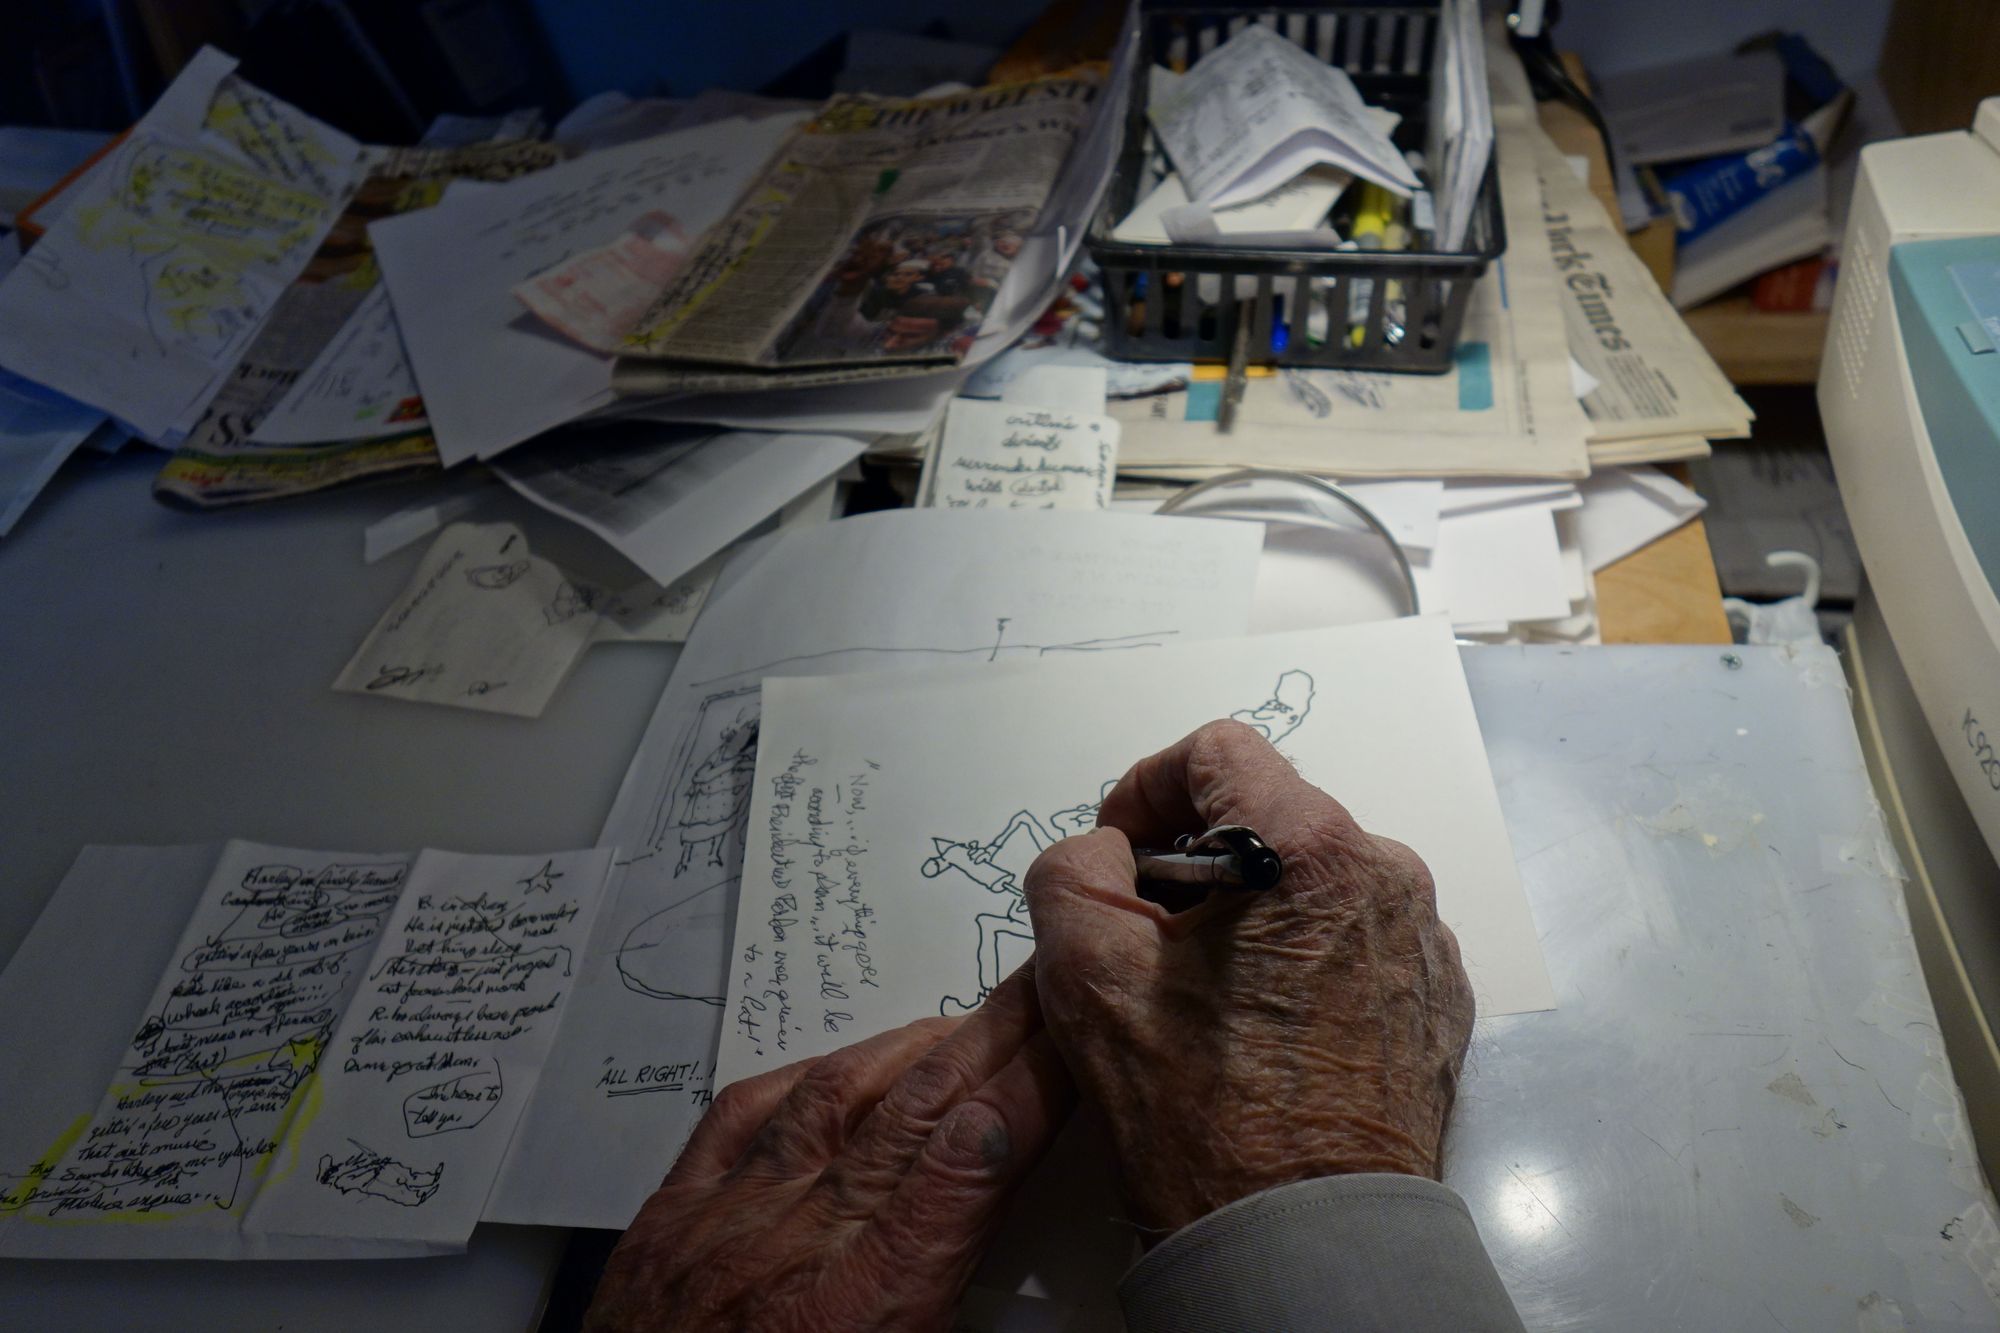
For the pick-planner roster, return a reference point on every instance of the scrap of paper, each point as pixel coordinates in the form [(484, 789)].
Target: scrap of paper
[(1007, 455), (486, 624)]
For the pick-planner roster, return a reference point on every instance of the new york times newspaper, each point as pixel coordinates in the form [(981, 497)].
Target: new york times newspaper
[(875, 242)]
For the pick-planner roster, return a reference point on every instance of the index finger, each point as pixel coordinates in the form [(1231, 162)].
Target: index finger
[(1223, 773)]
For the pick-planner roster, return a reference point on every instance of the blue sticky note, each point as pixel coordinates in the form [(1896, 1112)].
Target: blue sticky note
[(1475, 377), (1204, 400)]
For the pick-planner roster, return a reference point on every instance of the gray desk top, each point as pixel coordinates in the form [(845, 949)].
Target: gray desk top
[(1740, 1114)]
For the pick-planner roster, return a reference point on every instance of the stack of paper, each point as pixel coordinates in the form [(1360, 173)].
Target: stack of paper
[(1461, 121), (1257, 111)]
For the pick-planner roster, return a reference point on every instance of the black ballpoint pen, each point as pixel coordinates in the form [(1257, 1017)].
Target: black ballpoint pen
[(1230, 856)]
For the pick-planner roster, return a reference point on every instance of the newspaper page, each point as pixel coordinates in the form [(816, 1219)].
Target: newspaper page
[(219, 463), (880, 235), (1653, 376)]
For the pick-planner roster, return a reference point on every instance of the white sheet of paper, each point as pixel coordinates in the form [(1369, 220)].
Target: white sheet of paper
[(37, 435), (671, 501), (1063, 388), (358, 387), (875, 894), (149, 286), (900, 589), (1006, 455), (233, 972), (483, 624), (1466, 497), (440, 1049), (1290, 212), (1409, 509), (1257, 111), (1625, 508), (1460, 130), (490, 373), (1496, 565)]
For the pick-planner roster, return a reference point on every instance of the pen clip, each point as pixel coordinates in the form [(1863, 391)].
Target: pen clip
[(1259, 866)]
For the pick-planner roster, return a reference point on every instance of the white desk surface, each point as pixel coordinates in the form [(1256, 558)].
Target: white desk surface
[(1740, 1115)]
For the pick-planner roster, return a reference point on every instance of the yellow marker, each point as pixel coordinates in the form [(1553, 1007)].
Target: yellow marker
[(1377, 226), (1209, 374)]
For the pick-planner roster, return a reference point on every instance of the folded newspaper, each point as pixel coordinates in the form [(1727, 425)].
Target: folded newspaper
[(873, 245)]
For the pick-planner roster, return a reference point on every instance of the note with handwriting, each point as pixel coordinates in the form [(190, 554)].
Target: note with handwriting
[(311, 998), (1009, 455), (422, 1083), (147, 289), (486, 624), (875, 893)]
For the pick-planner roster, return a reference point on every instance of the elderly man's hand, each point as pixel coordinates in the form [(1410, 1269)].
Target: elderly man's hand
[(855, 1191), (1258, 1038)]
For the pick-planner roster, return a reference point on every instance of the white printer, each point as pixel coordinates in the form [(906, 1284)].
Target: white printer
[(1909, 391)]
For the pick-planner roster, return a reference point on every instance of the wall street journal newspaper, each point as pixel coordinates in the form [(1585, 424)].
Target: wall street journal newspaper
[(878, 237)]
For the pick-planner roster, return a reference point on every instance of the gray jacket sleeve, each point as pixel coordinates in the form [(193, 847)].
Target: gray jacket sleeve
[(1343, 1252)]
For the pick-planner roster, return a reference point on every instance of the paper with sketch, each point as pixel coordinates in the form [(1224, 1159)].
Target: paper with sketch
[(669, 497), (150, 285), (440, 1049), (357, 388), (1257, 111), (1653, 377), (906, 588), (598, 297), (486, 624), (1009, 455), (491, 373), (875, 893)]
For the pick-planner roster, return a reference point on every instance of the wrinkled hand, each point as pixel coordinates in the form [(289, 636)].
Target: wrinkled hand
[(1258, 1038), (855, 1191)]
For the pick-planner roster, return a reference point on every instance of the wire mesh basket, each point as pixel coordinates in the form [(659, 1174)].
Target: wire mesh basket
[(1358, 309)]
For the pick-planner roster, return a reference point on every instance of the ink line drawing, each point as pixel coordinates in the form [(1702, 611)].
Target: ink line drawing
[(366, 1171), (999, 864)]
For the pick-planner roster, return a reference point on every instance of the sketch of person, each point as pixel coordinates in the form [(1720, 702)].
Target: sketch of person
[(712, 805), (1279, 716), (999, 865)]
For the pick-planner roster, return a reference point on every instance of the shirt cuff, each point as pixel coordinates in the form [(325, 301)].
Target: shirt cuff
[(1348, 1252)]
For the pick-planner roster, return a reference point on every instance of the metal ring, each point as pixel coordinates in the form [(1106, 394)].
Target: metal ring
[(1361, 511)]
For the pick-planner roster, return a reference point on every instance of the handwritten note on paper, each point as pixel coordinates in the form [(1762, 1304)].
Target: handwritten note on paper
[(1010, 456), (150, 285), (874, 894), (441, 1048), (219, 1071)]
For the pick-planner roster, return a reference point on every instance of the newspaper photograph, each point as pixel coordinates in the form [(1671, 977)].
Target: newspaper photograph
[(881, 234)]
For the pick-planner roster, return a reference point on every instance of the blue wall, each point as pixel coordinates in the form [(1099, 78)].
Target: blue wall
[(646, 46)]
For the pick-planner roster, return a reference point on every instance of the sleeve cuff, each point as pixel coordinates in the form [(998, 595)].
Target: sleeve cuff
[(1349, 1252)]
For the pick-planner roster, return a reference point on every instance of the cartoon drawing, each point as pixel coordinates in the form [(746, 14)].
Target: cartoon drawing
[(493, 578), (716, 798), (1279, 716), (999, 865)]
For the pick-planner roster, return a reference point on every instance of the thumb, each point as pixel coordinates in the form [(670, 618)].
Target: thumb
[(1095, 937)]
